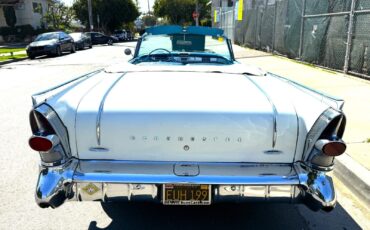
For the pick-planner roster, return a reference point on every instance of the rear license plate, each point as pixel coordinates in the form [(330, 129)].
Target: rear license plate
[(186, 194)]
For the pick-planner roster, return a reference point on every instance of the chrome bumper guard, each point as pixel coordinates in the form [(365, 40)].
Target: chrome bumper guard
[(88, 180)]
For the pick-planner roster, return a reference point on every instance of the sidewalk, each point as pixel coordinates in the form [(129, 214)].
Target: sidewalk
[(14, 53), (355, 92)]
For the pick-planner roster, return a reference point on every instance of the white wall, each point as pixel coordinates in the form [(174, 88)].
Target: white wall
[(25, 15), (2, 18)]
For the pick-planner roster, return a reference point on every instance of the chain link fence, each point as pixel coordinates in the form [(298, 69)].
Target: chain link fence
[(330, 33)]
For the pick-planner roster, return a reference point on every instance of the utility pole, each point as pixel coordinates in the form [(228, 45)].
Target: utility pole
[(197, 13), (98, 21), (148, 7), (89, 7)]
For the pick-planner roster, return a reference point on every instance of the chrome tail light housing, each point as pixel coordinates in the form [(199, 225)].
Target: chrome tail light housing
[(50, 136), (324, 140)]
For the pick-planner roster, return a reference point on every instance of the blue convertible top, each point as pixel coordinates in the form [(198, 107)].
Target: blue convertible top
[(200, 30)]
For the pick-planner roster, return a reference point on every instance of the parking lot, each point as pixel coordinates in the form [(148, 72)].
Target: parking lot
[(19, 170)]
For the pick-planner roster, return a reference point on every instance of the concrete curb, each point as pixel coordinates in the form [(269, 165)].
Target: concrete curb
[(355, 176), (11, 61)]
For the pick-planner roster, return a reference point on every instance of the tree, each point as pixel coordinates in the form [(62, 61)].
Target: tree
[(180, 11), (10, 17), (149, 20), (112, 14), (58, 16)]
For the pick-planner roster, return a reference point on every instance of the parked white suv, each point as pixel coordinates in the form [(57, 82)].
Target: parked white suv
[(120, 34)]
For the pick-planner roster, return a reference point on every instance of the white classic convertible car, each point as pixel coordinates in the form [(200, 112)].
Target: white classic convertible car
[(183, 123)]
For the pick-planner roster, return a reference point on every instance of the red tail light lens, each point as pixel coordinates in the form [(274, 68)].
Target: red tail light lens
[(41, 144), (334, 148), (331, 148)]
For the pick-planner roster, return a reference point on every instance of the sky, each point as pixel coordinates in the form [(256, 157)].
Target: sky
[(143, 4)]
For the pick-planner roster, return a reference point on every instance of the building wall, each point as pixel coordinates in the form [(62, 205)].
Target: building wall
[(26, 14), (2, 18)]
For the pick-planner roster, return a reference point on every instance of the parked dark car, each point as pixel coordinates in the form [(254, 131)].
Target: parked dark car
[(99, 38), (54, 43), (81, 40)]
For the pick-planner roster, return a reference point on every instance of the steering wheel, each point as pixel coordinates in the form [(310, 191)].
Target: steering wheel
[(159, 49)]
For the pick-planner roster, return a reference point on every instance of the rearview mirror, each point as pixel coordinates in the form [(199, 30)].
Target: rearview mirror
[(128, 51)]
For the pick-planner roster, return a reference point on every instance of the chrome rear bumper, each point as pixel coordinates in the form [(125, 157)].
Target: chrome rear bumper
[(142, 181)]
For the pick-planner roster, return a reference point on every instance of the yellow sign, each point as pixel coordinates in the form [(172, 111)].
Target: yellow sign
[(215, 16), (240, 10)]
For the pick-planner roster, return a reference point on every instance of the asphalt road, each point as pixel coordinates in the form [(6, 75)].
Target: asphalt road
[(19, 170)]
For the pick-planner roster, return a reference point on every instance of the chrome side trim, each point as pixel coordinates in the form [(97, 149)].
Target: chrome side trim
[(101, 107), (77, 108), (274, 134), (339, 103), (98, 149), (298, 130), (88, 75)]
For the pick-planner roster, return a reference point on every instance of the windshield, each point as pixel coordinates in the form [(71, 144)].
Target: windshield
[(44, 37), (188, 43), (76, 36)]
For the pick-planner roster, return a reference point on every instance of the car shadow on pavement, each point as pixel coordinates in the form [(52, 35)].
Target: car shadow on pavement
[(50, 57), (223, 216)]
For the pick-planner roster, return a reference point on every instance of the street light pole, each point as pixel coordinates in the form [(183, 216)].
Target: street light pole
[(89, 7), (197, 13), (98, 21), (148, 7)]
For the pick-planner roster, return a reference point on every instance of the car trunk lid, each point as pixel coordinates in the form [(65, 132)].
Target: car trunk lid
[(184, 116)]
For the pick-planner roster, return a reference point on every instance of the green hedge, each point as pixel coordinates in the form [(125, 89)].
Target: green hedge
[(21, 32)]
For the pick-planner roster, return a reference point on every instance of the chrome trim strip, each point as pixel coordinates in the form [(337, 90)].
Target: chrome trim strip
[(298, 130), (218, 71), (111, 171), (274, 134), (101, 107), (76, 113), (338, 102), (88, 75), (98, 149)]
